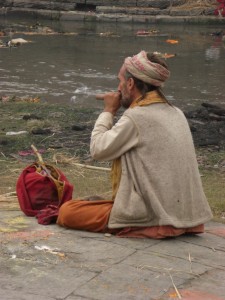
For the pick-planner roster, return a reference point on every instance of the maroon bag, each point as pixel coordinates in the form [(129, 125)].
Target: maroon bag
[(41, 190)]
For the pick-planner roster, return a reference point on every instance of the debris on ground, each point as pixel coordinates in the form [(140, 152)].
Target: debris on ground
[(14, 98), (170, 41)]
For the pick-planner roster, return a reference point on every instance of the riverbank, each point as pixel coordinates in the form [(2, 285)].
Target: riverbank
[(108, 17), (62, 135), (148, 12)]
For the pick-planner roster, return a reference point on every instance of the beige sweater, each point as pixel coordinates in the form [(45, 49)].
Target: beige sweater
[(160, 182)]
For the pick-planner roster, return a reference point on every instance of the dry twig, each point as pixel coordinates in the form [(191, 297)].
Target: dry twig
[(60, 158), (189, 258), (9, 194), (3, 154), (167, 270), (178, 294), (92, 167)]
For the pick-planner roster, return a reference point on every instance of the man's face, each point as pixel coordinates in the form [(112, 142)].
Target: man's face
[(123, 88)]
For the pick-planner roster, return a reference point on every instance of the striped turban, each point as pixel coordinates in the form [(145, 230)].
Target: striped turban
[(142, 68)]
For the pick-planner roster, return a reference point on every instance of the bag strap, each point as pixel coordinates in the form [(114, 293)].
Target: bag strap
[(40, 164)]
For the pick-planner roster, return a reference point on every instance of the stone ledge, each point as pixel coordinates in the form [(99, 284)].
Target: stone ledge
[(154, 11), (128, 11), (46, 5), (160, 4), (180, 7), (116, 17)]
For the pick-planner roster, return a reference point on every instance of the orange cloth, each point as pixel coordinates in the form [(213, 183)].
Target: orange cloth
[(85, 215), (158, 232), (94, 215)]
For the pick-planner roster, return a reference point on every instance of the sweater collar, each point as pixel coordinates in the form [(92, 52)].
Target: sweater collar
[(149, 98)]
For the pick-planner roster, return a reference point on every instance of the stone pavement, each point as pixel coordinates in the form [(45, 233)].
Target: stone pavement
[(49, 262)]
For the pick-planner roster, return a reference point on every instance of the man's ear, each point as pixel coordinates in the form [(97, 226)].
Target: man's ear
[(130, 83)]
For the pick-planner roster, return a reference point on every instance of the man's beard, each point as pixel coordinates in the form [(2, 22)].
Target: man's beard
[(126, 101)]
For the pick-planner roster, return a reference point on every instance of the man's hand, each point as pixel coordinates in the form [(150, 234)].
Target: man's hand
[(111, 101)]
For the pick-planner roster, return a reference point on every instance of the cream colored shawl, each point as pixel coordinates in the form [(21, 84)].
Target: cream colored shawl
[(150, 98)]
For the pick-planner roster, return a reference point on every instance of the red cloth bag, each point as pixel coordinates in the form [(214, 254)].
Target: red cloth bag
[(221, 8), (41, 190)]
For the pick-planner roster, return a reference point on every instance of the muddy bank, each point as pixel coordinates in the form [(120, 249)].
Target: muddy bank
[(66, 129), (207, 125), (50, 127)]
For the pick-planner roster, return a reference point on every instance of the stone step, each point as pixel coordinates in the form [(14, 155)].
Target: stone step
[(130, 10), (161, 4), (173, 11), (39, 4), (90, 4), (112, 9)]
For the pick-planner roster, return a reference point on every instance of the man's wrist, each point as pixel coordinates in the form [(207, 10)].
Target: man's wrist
[(113, 112)]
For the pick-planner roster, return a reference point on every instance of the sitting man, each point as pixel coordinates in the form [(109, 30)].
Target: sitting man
[(157, 190)]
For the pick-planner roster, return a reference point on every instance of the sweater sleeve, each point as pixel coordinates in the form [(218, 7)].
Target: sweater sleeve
[(109, 142)]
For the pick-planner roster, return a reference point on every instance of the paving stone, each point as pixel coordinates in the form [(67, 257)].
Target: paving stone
[(208, 240), (203, 288), (206, 285), (127, 282), (53, 263), (164, 262), (33, 278), (182, 250), (18, 295)]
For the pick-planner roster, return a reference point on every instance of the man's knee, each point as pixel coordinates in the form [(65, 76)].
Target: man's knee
[(65, 214)]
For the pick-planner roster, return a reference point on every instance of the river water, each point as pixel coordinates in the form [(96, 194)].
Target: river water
[(72, 68)]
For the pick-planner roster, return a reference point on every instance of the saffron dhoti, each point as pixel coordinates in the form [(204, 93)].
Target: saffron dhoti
[(94, 215)]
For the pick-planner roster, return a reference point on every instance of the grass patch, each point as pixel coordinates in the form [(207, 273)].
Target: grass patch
[(214, 187), (53, 128), (212, 168)]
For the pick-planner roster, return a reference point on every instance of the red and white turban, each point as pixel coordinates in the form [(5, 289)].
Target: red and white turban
[(142, 68)]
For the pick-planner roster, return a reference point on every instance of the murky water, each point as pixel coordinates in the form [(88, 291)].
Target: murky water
[(73, 68)]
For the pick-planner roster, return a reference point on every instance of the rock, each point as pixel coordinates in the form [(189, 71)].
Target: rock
[(40, 131), (203, 114), (78, 127), (199, 113), (193, 128), (3, 142), (215, 109), (219, 111), (19, 40), (216, 117), (209, 105), (31, 116), (107, 234), (208, 142), (207, 125)]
